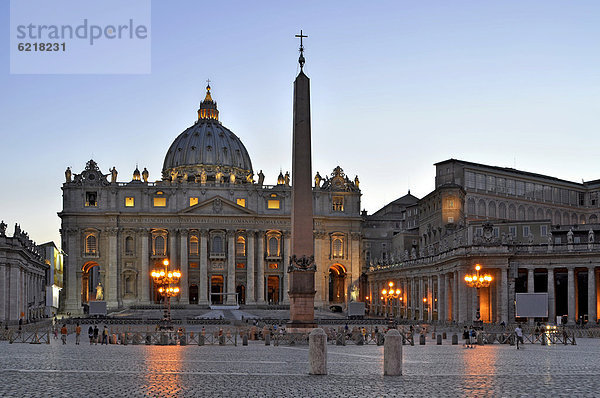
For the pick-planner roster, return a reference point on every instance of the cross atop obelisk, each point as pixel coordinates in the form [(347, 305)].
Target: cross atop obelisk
[(302, 264), (301, 60)]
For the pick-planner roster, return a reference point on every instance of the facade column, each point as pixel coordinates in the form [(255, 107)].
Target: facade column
[(447, 298), (250, 255), (184, 267), (592, 316), (571, 295), (285, 259), (429, 295), (145, 274), (463, 297), (203, 298), (530, 281), (455, 296), (112, 300), (14, 293), (73, 293), (260, 275), (503, 296), (420, 296), (231, 300), (321, 297), (551, 297), (441, 297)]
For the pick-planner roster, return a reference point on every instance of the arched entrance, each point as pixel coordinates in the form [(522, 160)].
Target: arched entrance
[(91, 279), (241, 294), (337, 283), (273, 289), (216, 286), (194, 294)]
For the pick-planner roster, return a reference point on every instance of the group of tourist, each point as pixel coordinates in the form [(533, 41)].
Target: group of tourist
[(94, 334)]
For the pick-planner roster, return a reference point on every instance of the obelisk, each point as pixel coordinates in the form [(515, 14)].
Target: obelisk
[(302, 265)]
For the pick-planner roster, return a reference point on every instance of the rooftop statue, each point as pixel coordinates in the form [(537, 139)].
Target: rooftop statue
[(318, 179), (68, 174), (145, 175), (113, 175), (261, 178)]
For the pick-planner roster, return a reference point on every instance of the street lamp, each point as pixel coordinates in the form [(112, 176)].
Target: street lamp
[(478, 280), (389, 294), (165, 279)]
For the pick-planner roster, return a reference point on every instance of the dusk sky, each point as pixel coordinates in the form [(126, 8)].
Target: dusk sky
[(396, 86)]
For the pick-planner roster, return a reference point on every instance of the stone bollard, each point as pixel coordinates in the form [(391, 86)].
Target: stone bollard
[(124, 339), (573, 342), (392, 354), (439, 339), (444, 335), (164, 339), (148, 339), (268, 339), (245, 339), (183, 339), (433, 336), (317, 352), (544, 339), (454, 339), (480, 338), (422, 339), (221, 340), (361, 340), (201, 339)]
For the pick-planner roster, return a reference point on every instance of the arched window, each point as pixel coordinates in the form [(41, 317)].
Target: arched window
[(193, 244), (91, 244), (492, 209), (557, 218), (337, 248), (481, 208), (512, 212), (521, 213), (530, 214), (273, 247), (217, 244), (502, 211), (471, 207), (593, 219), (565, 218), (129, 245), (240, 246), (539, 214), (160, 246)]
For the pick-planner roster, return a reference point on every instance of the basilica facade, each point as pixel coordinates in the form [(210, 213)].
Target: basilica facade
[(212, 217)]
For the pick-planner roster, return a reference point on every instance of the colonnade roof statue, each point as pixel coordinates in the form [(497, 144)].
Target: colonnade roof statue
[(208, 150)]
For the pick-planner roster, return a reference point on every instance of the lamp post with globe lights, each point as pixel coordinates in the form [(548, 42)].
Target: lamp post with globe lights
[(478, 280), (166, 281), (388, 294)]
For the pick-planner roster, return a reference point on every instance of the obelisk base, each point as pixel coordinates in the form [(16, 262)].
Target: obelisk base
[(302, 313)]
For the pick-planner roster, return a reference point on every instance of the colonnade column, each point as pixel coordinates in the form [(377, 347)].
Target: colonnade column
[(571, 295), (260, 275), (551, 297), (231, 300), (250, 299), (184, 267), (503, 295), (441, 298), (447, 298), (145, 277), (592, 295), (455, 296), (462, 297), (530, 289), (203, 285), (429, 295), (113, 272), (421, 290), (286, 258)]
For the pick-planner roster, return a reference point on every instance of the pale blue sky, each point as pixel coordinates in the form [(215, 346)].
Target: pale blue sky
[(396, 87)]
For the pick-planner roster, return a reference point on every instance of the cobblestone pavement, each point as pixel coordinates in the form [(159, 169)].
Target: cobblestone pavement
[(57, 370)]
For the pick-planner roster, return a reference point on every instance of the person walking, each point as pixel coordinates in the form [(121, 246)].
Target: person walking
[(519, 335), (104, 336), (77, 334), (63, 333), (466, 337), (96, 332), (472, 336), (91, 334)]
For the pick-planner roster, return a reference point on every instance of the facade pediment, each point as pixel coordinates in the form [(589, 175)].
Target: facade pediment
[(217, 205)]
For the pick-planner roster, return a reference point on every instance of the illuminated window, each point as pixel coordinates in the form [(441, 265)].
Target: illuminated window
[(129, 201), (91, 199), (91, 244), (450, 220), (338, 249), (338, 203), (241, 202), (193, 265), (273, 265), (160, 202), (451, 203), (160, 246), (193, 244), (273, 247), (193, 201), (273, 204), (240, 246), (240, 265)]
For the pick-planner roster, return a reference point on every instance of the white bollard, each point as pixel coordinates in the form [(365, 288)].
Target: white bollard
[(317, 352), (392, 354)]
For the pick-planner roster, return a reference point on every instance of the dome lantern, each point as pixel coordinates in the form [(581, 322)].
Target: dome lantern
[(208, 107)]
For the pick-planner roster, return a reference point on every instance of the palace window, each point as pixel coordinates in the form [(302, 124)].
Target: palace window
[(480, 179), (512, 231), (240, 246), (470, 179), (91, 244), (273, 265), (273, 247), (194, 244), (129, 249), (337, 247), (273, 204), (543, 230), (160, 202), (91, 199), (193, 201), (217, 244), (337, 203), (240, 265), (159, 243), (241, 202), (526, 231), (129, 201)]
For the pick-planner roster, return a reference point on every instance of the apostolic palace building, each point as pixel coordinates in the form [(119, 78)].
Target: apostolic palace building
[(213, 217)]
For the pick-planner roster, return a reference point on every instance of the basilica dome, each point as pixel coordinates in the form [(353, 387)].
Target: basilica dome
[(208, 151)]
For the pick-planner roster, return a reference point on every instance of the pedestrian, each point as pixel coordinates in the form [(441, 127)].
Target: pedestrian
[(55, 332), (519, 334), (91, 334), (105, 335), (96, 332), (473, 336), (63, 333), (466, 337), (77, 333)]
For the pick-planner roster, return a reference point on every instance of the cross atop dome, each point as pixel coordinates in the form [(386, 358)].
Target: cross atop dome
[(208, 107), (301, 59)]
